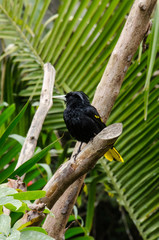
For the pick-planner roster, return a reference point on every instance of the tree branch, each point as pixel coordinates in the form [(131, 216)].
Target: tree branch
[(39, 117), (107, 92), (72, 170), (63, 209), (133, 32)]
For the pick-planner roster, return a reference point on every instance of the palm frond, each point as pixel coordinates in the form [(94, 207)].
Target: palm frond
[(73, 41), (136, 181)]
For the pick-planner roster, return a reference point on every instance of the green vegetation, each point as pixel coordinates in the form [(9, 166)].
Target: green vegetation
[(78, 41)]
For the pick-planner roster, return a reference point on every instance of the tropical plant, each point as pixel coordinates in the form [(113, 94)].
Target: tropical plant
[(11, 145), (78, 42), (19, 202), (15, 199)]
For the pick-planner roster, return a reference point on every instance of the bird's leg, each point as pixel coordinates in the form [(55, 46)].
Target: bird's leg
[(79, 149)]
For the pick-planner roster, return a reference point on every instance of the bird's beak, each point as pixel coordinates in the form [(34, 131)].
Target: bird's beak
[(60, 97)]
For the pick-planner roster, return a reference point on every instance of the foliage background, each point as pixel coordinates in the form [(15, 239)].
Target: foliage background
[(77, 37)]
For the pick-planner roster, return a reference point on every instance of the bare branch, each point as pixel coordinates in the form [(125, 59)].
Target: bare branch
[(72, 170), (36, 125), (39, 117), (63, 208)]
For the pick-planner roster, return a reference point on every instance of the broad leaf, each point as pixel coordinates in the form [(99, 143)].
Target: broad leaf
[(34, 235), (5, 224), (29, 195)]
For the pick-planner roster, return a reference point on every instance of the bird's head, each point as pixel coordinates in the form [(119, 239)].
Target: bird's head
[(75, 98)]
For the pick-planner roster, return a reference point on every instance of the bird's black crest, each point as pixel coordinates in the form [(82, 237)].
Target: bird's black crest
[(78, 97)]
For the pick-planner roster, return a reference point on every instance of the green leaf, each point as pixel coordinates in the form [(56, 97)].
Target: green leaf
[(71, 232), (5, 224), (27, 165), (90, 205), (3, 237), (10, 203), (34, 235), (37, 229), (29, 195), (152, 55), (7, 172), (39, 184), (83, 238), (18, 138), (6, 114), (13, 124), (5, 191), (48, 211), (9, 155), (47, 169), (15, 235)]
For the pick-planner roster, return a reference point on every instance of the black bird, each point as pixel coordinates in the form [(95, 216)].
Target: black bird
[(84, 122)]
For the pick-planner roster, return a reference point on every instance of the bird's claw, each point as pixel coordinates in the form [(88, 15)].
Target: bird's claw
[(75, 156), (79, 150)]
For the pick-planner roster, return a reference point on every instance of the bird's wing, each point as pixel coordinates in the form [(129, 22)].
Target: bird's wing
[(93, 114)]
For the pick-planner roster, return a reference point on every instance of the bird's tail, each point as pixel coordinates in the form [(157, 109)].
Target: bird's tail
[(113, 154)]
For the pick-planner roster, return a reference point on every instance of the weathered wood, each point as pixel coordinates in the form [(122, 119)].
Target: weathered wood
[(40, 115), (72, 170)]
